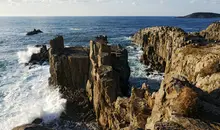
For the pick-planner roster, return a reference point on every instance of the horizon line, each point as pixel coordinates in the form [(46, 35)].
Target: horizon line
[(88, 16)]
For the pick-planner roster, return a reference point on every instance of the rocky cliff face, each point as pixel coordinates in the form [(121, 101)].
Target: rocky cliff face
[(212, 33), (188, 96), (181, 105), (109, 75), (159, 43), (200, 64), (88, 77), (95, 82), (69, 69)]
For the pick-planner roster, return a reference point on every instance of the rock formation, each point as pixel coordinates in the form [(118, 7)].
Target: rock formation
[(159, 43), (188, 96), (212, 33), (185, 106), (34, 32), (41, 57), (94, 81), (69, 69)]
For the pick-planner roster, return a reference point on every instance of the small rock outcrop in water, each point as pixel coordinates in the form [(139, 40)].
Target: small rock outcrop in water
[(202, 15), (41, 57), (34, 32)]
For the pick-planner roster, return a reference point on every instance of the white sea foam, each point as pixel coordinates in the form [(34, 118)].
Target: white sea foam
[(25, 95), (25, 56), (123, 38), (75, 29), (139, 75)]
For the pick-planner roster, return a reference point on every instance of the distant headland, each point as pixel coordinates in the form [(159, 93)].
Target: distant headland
[(201, 15)]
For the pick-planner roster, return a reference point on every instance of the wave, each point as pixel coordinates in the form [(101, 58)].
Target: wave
[(27, 96), (75, 29), (123, 38), (139, 74), (25, 56)]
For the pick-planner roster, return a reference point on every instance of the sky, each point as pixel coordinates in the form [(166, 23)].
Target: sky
[(106, 7)]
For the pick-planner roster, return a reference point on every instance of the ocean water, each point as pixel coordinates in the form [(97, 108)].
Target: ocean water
[(25, 94)]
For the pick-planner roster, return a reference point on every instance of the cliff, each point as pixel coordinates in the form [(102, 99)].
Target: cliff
[(159, 43), (201, 15), (94, 81), (189, 92), (212, 33)]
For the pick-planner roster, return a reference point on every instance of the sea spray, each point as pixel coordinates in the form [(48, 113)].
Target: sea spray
[(139, 74), (25, 95), (25, 56)]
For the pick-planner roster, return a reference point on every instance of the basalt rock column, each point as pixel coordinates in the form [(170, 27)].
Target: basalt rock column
[(69, 69), (105, 82), (158, 44), (69, 66)]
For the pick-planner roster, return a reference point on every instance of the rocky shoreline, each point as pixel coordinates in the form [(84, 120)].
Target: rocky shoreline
[(95, 82)]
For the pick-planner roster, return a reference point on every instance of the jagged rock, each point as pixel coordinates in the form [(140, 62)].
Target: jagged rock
[(185, 105), (30, 127), (57, 45), (37, 121), (108, 83), (69, 69), (100, 73), (159, 43), (119, 59), (41, 57), (168, 126), (102, 39), (105, 87), (200, 64), (34, 32), (212, 33)]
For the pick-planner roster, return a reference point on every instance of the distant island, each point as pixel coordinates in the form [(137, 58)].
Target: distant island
[(201, 15)]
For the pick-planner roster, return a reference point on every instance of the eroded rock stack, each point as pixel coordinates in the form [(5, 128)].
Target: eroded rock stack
[(109, 76), (69, 69)]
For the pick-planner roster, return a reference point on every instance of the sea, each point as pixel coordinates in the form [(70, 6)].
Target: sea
[(24, 91)]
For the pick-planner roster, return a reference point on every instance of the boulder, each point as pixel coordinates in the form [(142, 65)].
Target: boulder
[(41, 57), (34, 32)]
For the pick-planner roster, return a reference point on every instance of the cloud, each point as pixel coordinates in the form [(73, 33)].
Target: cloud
[(206, 1)]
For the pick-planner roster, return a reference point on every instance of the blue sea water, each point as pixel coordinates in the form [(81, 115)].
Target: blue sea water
[(24, 93)]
